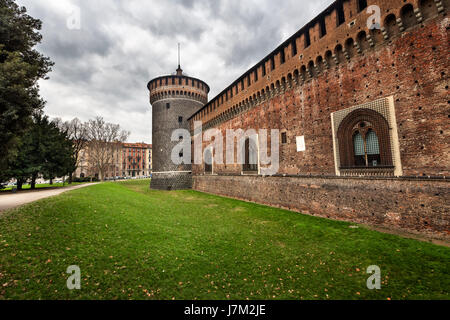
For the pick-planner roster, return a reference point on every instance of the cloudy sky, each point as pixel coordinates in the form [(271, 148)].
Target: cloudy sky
[(105, 59)]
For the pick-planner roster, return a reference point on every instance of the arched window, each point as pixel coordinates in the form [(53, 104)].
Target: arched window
[(364, 140), (350, 47), (208, 161), (428, 8), (408, 16), (339, 52), (251, 156), (329, 59), (390, 23), (358, 147), (366, 147), (362, 41)]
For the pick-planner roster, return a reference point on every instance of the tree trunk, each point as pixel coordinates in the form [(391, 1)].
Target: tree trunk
[(51, 181), (70, 178), (19, 184), (33, 182)]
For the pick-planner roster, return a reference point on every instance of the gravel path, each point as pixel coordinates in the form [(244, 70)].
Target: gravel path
[(13, 200)]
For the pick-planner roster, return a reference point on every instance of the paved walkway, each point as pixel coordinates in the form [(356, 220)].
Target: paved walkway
[(13, 200)]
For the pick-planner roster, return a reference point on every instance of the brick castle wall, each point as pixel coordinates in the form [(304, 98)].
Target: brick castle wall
[(407, 59), (411, 205)]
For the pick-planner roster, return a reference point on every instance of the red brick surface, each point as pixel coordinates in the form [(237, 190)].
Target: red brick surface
[(412, 66)]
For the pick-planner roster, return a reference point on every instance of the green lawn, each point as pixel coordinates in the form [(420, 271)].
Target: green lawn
[(43, 186), (134, 243)]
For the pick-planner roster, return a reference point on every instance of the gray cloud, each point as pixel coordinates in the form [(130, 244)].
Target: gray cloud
[(103, 68)]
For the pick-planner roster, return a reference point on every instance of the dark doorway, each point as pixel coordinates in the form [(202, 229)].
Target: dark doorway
[(251, 156)]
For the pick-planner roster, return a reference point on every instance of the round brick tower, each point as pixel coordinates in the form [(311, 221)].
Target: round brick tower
[(174, 99)]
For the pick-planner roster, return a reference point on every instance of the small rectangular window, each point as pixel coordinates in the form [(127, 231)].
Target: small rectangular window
[(340, 14), (264, 69), (283, 137), (168, 105), (362, 4), (272, 63), (294, 48), (307, 39), (323, 28), (256, 75), (282, 56), (180, 119)]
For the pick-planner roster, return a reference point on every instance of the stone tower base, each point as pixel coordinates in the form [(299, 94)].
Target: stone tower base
[(171, 181)]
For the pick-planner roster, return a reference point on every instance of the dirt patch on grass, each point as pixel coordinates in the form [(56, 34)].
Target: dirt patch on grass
[(410, 235)]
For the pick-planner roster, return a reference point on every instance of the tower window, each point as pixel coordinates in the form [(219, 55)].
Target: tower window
[(180, 119), (282, 56), (283, 137), (272, 63), (264, 69), (168, 105)]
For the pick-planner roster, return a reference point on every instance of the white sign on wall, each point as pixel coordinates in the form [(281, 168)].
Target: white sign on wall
[(301, 146)]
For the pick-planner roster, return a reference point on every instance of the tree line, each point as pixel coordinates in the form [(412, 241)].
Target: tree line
[(32, 145)]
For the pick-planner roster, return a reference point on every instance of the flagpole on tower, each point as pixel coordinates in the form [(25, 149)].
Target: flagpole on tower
[(179, 70), (179, 56)]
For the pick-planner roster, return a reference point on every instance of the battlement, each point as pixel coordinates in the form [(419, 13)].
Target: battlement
[(178, 86), (335, 37)]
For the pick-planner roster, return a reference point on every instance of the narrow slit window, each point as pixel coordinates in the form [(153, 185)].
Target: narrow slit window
[(294, 48), (283, 137)]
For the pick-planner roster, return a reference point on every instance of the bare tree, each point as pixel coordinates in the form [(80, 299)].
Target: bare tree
[(105, 143), (78, 134)]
